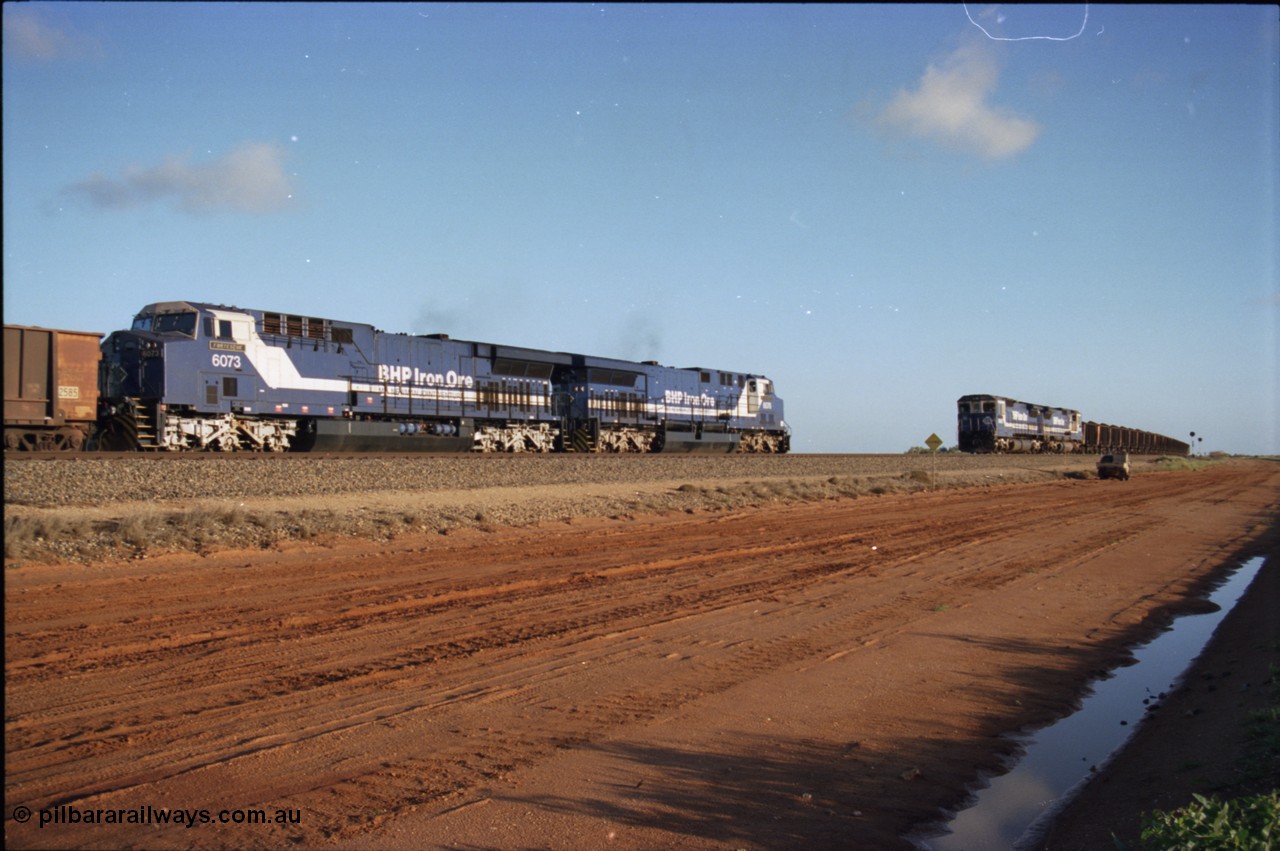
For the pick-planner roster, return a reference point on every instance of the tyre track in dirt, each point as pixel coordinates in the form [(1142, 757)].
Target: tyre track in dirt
[(312, 678), (528, 590)]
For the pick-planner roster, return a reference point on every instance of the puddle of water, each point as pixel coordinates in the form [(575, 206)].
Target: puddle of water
[(1016, 807)]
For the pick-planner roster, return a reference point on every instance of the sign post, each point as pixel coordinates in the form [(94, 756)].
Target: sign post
[(933, 442)]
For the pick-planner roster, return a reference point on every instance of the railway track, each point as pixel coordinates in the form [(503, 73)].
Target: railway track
[(568, 457), (51, 479)]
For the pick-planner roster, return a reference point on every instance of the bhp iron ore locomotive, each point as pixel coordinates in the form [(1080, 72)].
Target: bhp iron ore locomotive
[(193, 376), (1000, 424)]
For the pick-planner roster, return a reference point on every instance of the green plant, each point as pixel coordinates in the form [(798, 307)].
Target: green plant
[(1262, 727), (1251, 822)]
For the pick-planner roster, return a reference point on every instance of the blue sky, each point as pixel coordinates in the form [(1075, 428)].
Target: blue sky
[(882, 208)]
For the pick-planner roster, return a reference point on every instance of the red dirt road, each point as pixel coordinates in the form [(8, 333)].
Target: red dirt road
[(824, 674)]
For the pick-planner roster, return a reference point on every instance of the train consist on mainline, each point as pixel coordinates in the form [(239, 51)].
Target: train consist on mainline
[(196, 376), (192, 376), (1000, 424)]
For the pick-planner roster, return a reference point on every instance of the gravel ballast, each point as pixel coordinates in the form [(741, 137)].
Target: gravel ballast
[(150, 478)]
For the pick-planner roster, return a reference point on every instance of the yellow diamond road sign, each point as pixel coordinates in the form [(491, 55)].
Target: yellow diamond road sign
[(933, 442)]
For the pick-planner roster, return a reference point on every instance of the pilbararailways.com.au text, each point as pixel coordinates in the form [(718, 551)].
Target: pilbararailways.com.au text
[(67, 814)]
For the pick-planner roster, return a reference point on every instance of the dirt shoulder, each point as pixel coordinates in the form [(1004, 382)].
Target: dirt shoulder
[(826, 673)]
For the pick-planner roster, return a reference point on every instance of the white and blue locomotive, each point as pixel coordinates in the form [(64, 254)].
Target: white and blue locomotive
[(196, 376), (999, 424)]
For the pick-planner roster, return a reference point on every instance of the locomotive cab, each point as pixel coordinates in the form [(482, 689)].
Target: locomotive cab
[(977, 419), (170, 318), (133, 360), (221, 329), (758, 390), (145, 405)]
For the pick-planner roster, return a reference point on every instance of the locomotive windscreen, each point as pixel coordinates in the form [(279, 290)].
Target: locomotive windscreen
[(164, 323)]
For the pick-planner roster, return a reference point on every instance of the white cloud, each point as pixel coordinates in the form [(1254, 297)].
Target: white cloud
[(28, 36), (249, 179), (950, 105)]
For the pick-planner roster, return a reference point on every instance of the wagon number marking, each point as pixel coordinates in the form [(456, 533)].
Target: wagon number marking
[(226, 361)]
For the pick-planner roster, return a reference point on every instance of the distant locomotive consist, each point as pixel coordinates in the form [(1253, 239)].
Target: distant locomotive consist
[(196, 376), (999, 424)]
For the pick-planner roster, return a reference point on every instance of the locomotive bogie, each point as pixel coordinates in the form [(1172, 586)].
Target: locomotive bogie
[(517, 437), (226, 433), (623, 439), (763, 442)]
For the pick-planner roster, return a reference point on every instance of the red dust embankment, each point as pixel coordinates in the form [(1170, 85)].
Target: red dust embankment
[(826, 674)]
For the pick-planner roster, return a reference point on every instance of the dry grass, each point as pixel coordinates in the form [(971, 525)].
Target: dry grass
[(53, 535)]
